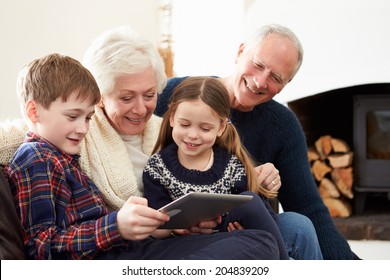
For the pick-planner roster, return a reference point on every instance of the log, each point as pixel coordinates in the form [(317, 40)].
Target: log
[(328, 189), (343, 178), (340, 160), (338, 207), (320, 169), (312, 154), (339, 146), (324, 146)]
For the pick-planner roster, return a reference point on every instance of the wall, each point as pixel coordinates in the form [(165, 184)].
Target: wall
[(346, 42), (31, 29)]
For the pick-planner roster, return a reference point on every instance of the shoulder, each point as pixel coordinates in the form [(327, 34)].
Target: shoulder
[(277, 115), (276, 110), (163, 98), (31, 156)]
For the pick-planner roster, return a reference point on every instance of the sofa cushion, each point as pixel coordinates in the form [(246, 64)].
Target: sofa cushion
[(12, 134)]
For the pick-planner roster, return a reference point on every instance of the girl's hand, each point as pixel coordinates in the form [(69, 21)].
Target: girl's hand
[(234, 226), (207, 226)]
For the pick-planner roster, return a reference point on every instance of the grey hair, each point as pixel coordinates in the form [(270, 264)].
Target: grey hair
[(122, 51), (262, 32)]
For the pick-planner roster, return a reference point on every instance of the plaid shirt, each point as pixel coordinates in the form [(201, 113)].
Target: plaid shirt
[(61, 210)]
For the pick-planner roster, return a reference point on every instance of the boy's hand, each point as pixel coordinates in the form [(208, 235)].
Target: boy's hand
[(136, 221)]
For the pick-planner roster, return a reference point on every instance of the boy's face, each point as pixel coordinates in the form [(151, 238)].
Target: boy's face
[(65, 124)]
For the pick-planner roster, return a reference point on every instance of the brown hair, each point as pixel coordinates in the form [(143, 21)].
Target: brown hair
[(52, 76), (213, 93)]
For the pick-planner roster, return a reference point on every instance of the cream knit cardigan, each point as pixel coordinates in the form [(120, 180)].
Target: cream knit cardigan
[(103, 155), (105, 159)]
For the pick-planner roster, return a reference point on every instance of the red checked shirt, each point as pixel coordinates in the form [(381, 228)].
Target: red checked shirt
[(61, 210)]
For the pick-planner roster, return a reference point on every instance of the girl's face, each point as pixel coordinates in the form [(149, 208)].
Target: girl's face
[(195, 129), (132, 102)]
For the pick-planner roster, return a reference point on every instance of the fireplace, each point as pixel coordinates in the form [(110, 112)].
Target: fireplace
[(360, 115)]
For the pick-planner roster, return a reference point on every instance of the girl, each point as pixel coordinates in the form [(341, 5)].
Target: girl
[(200, 151)]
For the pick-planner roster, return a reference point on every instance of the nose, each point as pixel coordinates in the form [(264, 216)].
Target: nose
[(192, 133), (261, 79), (83, 127), (139, 106)]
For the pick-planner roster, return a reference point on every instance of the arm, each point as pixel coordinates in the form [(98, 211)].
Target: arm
[(156, 194), (300, 194)]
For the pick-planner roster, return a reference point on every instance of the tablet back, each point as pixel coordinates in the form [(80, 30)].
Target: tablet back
[(193, 208)]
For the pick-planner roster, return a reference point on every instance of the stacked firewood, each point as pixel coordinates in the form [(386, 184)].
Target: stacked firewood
[(331, 165)]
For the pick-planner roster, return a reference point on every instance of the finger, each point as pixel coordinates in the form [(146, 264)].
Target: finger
[(137, 200), (208, 224), (266, 172), (230, 227), (275, 185), (238, 226)]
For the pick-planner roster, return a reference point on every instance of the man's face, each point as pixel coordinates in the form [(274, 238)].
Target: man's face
[(263, 71)]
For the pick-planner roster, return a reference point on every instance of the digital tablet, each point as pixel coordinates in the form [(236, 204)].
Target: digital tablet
[(193, 208)]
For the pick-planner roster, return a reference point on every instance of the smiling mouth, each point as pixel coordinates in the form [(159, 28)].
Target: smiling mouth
[(134, 120), (191, 144), (74, 140), (252, 89)]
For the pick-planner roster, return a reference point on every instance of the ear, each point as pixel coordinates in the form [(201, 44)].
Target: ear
[(239, 52), (101, 104), (171, 120), (222, 128), (32, 111)]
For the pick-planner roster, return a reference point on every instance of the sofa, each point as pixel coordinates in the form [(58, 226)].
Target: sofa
[(11, 232)]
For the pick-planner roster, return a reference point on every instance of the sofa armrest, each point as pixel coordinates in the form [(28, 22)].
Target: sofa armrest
[(11, 232)]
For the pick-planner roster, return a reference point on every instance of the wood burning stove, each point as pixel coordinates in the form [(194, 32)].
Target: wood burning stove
[(359, 115), (371, 142)]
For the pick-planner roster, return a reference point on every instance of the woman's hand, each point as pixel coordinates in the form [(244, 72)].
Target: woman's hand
[(137, 221), (268, 177)]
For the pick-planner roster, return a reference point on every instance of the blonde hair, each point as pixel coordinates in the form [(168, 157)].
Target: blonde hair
[(213, 93)]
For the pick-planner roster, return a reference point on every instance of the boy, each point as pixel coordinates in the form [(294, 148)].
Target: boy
[(61, 210)]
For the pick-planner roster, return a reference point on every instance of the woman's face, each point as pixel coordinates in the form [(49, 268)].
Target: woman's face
[(132, 102)]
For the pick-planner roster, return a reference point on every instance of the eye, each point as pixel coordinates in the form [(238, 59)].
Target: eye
[(127, 98), (259, 66), (149, 96), (72, 117), (276, 79)]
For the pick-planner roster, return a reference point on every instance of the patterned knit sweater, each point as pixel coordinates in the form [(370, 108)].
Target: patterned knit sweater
[(272, 133), (165, 179)]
